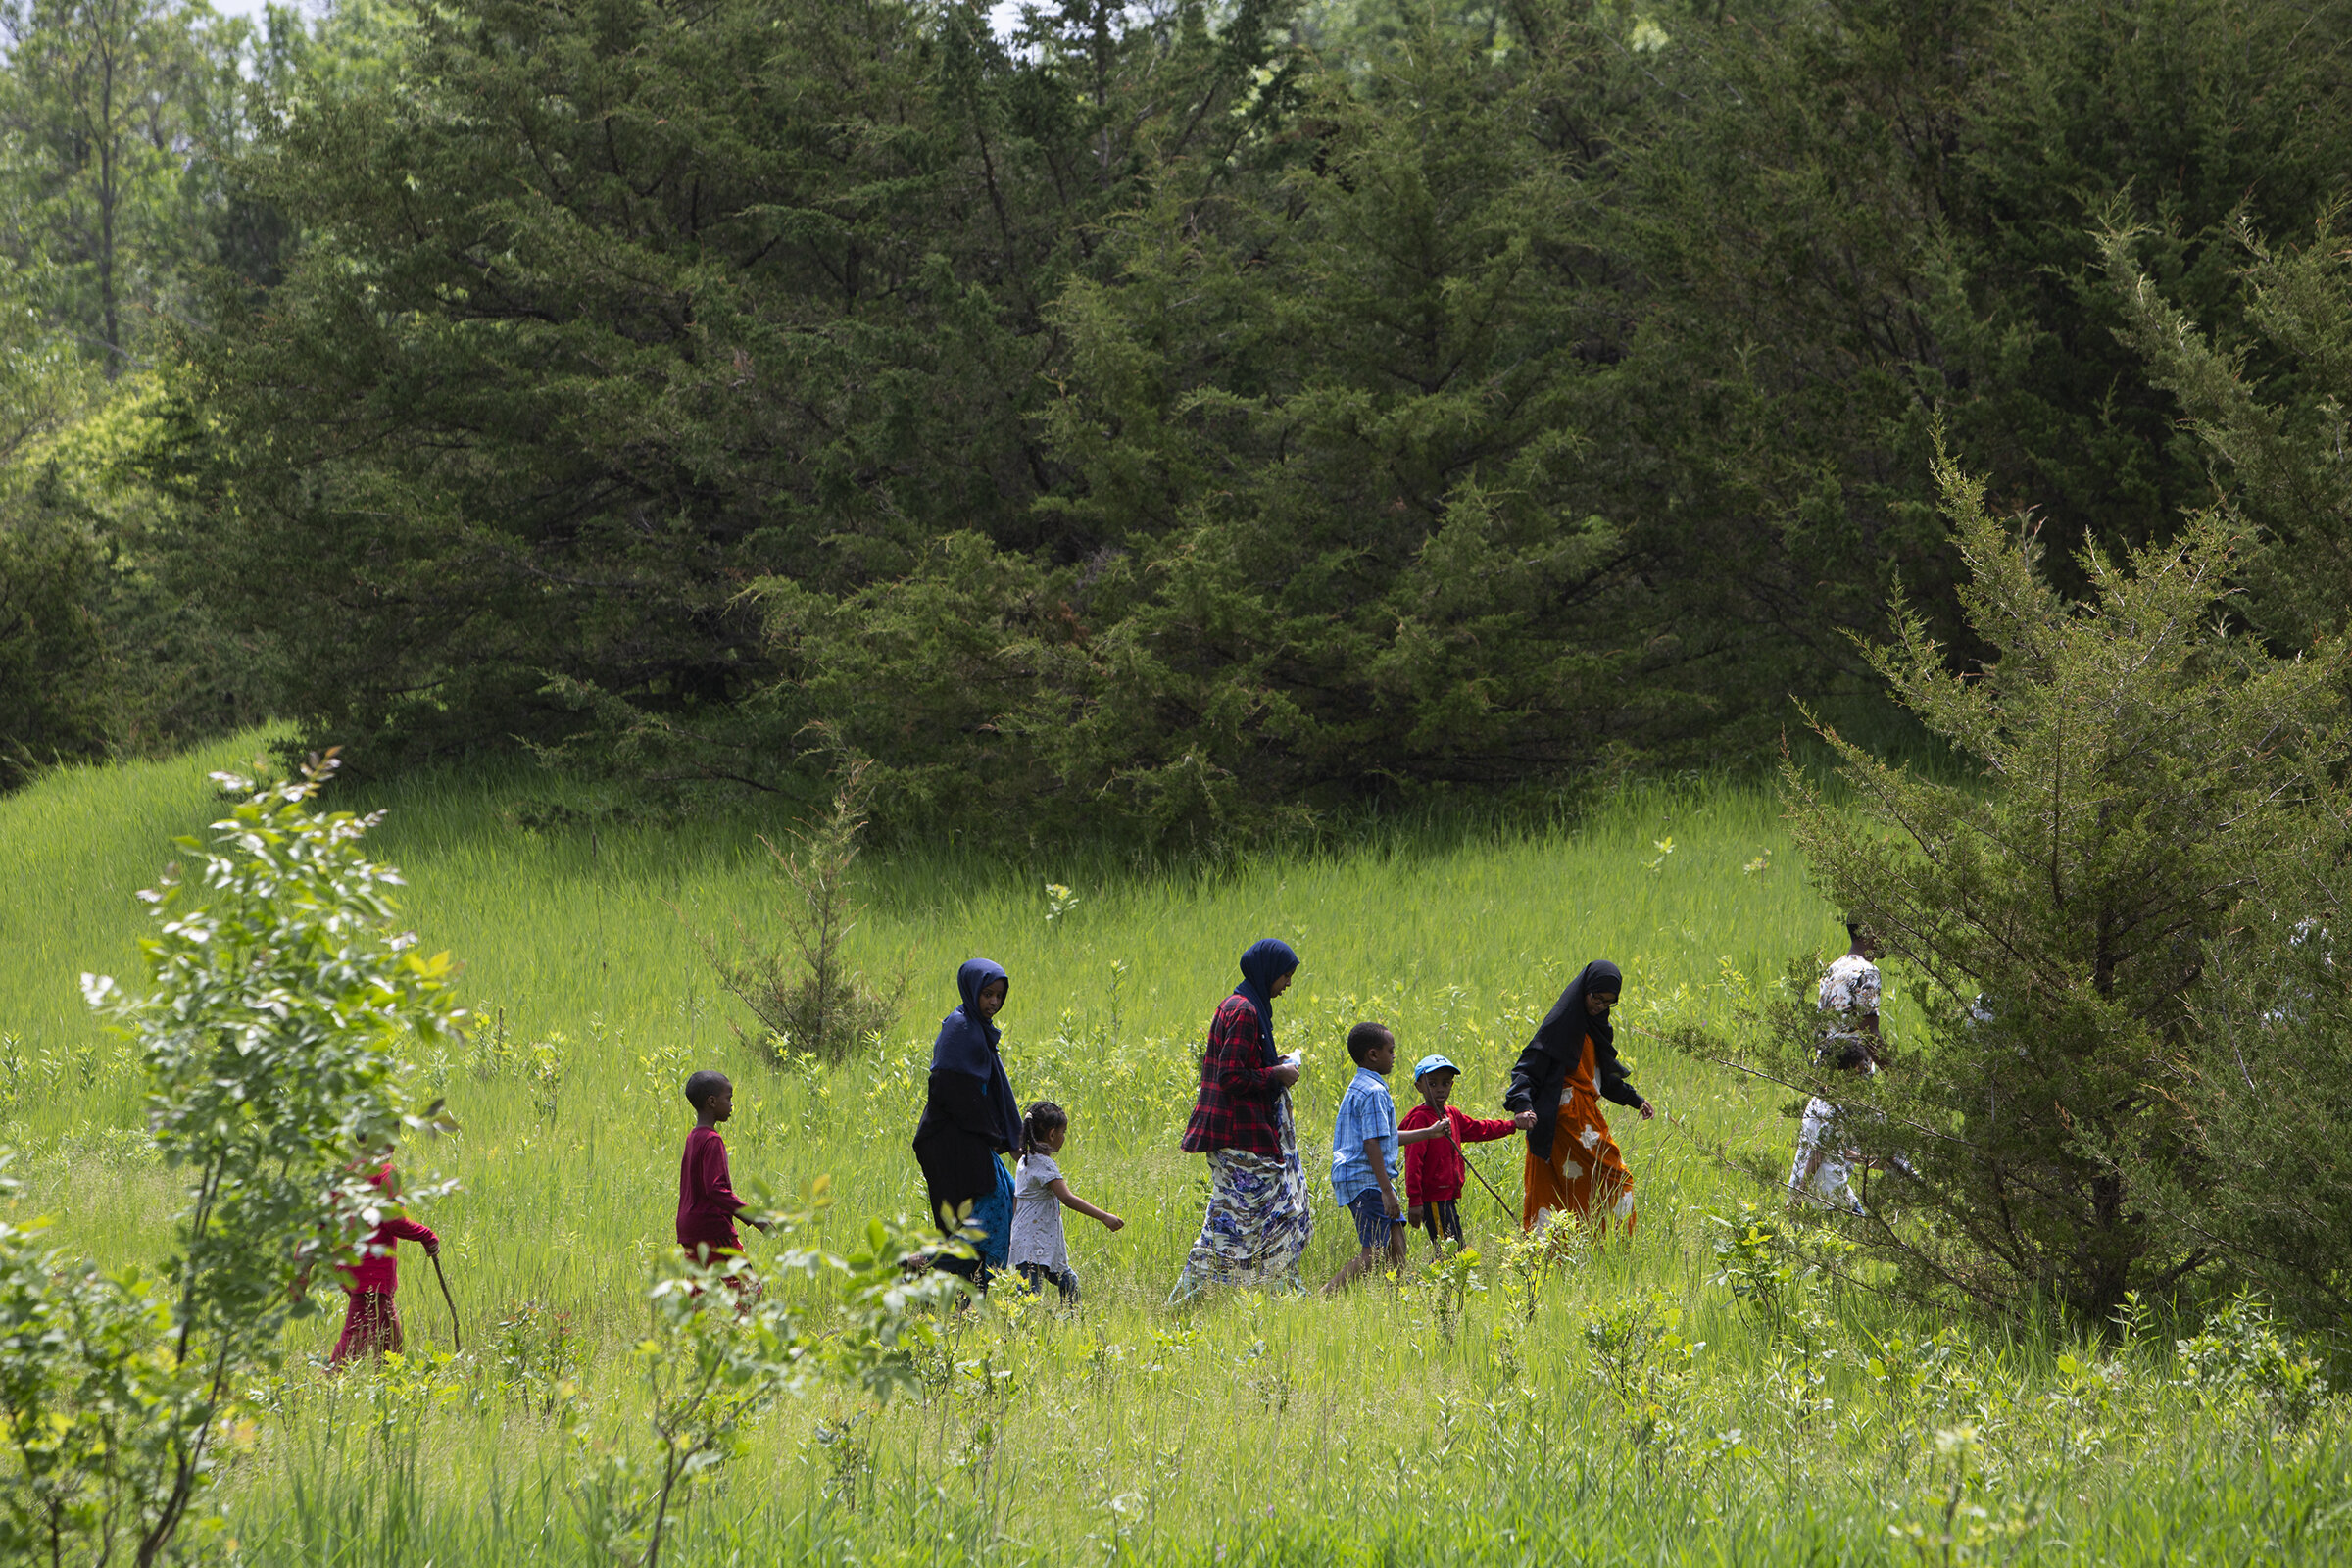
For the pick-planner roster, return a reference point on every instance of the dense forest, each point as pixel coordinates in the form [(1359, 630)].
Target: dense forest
[(1173, 416)]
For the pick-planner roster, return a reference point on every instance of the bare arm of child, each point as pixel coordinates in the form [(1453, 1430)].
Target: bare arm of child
[(1418, 1135), (1389, 1199), (1069, 1199)]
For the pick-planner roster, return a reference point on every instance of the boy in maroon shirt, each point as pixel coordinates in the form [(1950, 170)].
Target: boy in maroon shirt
[(706, 1203), (370, 1322), (1434, 1170)]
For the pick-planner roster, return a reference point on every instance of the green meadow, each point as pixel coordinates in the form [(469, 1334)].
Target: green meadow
[(1652, 1397)]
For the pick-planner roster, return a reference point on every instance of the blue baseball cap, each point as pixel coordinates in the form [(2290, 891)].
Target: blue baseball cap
[(1429, 1064)]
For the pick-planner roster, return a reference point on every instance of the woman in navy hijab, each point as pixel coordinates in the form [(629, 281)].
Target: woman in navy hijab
[(1258, 1221), (969, 1118)]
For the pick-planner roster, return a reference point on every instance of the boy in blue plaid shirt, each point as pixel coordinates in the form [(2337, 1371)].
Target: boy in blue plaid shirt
[(1367, 1152)]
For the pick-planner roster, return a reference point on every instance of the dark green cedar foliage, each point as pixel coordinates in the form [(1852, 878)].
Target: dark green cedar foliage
[(54, 695), (2267, 401), (605, 311), (2264, 1078), (2145, 778), (1329, 497), (1852, 220), (1172, 421)]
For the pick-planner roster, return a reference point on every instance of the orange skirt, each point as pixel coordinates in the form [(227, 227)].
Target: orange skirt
[(1585, 1175)]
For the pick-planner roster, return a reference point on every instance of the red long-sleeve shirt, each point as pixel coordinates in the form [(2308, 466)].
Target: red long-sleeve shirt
[(1433, 1168), (707, 1204), (377, 1270)]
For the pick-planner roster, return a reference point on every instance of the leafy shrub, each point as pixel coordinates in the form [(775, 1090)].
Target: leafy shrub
[(280, 989), (539, 1358), (723, 1348), (2242, 1355)]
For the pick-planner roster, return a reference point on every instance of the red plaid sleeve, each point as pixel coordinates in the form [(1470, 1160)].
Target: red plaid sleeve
[(1235, 1108)]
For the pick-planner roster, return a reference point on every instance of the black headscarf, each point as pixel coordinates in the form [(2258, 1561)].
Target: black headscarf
[(1563, 1029), (1268, 960)]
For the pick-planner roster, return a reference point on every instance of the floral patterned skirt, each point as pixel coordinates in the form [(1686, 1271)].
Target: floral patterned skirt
[(1258, 1221), (1585, 1175)]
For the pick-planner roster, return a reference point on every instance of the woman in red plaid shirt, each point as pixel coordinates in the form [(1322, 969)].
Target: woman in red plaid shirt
[(1258, 1221)]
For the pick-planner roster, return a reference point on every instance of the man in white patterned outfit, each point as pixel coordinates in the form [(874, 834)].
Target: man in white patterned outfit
[(1849, 994)]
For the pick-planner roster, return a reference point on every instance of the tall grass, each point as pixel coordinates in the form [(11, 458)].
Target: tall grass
[(1268, 1431)]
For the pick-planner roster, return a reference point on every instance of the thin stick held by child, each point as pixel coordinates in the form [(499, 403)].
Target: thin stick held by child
[(1040, 1193)]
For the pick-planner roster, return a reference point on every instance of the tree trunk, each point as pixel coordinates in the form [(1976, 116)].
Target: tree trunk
[(107, 173)]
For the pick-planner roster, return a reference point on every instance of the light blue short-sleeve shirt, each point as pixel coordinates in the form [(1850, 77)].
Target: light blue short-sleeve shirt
[(1366, 1111)]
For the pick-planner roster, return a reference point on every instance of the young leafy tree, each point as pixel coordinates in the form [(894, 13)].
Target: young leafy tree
[(2139, 773), (279, 991), (81, 1370), (103, 105)]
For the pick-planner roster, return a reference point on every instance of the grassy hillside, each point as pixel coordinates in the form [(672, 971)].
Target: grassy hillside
[(1626, 1402)]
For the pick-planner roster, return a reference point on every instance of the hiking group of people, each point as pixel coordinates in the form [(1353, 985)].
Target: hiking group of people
[(1260, 1214)]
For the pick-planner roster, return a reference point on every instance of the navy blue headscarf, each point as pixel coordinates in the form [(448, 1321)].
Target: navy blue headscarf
[(967, 1042), (1268, 960)]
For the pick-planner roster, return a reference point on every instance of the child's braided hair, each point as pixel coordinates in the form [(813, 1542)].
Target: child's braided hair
[(1044, 1116)]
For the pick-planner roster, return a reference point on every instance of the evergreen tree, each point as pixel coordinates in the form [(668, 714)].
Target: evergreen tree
[(2267, 401), (1336, 525), (2142, 777), (1853, 224), (656, 304)]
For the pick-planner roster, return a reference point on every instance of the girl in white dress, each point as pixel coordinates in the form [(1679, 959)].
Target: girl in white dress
[(1040, 1193)]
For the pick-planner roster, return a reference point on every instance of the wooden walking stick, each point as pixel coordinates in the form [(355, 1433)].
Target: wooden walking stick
[(1453, 1136), (456, 1339), (1472, 1166)]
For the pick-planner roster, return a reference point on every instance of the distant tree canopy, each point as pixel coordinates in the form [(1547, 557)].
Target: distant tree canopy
[(1179, 413)]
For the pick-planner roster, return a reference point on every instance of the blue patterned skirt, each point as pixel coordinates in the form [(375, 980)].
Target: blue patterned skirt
[(1258, 1221)]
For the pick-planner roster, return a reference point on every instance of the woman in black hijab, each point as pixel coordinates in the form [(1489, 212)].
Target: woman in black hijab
[(1572, 1164)]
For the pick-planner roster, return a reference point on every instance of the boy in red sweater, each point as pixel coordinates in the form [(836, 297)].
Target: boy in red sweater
[(370, 1322), (1434, 1170), (706, 1203)]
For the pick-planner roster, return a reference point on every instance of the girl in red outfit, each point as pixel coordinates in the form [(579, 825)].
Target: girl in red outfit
[(370, 1322), (1434, 1170)]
